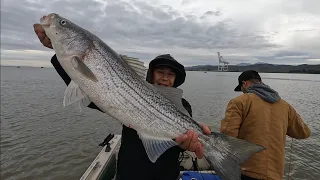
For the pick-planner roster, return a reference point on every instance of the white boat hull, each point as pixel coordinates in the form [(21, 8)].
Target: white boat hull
[(105, 162), (104, 165)]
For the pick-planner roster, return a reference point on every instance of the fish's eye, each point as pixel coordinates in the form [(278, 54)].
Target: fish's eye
[(63, 22)]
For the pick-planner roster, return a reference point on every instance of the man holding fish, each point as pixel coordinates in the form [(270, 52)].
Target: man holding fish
[(98, 76), (164, 70)]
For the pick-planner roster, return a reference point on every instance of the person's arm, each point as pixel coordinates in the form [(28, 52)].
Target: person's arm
[(65, 77), (296, 127), (230, 125), (57, 66)]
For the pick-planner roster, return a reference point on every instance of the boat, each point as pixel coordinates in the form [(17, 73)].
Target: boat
[(104, 165)]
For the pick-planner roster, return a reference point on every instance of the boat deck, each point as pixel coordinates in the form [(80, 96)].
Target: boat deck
[(103, 166)]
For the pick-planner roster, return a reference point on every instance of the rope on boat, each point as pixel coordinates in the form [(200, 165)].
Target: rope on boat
[(289, 171)]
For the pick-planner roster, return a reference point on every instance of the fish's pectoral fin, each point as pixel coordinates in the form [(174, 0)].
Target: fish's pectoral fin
[(84, 103), (83, 69), (74, 94), (155, 146), (136, 65)]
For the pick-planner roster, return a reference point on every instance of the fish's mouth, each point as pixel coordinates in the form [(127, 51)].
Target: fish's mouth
[(47, 20)]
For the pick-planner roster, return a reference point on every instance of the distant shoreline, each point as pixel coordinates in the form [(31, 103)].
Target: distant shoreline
[(262, 68), (27, 66), (259, 72)]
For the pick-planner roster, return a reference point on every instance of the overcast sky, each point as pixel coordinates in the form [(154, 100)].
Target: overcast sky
[(243, 31)]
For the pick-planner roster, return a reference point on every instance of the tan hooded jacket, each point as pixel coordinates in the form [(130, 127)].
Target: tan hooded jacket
[(262, 117)]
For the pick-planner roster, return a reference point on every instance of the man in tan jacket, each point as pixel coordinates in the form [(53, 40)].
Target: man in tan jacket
[(262, 117)]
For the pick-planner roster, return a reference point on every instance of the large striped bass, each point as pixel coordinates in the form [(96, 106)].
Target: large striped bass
[(117, 87)]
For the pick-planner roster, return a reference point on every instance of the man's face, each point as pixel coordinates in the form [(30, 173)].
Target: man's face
[(245, 85), (163, 76)]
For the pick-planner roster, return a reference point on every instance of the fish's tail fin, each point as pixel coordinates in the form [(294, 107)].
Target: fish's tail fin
[(225, 154)]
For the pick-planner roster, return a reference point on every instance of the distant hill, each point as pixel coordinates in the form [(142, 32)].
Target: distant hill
[(243, 64), (248, 64), (261, 63), (262, 67)]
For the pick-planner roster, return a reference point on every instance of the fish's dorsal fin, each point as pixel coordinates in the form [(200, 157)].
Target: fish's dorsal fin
[(136, 65), (174, 95)]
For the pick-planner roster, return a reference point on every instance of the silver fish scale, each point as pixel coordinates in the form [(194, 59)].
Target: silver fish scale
[(138, 104)]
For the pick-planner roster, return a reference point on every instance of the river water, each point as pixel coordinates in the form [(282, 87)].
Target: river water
[(41, 139)]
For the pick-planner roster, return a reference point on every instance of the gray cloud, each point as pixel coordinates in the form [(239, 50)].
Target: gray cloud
[(216, 13), (142, 30), (298, 6)]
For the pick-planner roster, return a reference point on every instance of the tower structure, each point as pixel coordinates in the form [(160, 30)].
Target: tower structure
[(222, 65)]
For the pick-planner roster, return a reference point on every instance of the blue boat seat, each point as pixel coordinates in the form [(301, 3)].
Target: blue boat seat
[(192, 175)]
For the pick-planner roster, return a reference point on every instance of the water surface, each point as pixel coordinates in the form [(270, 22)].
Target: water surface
[(41, 139)]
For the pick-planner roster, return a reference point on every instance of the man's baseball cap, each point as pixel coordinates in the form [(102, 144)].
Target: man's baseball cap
[(245, 76)]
